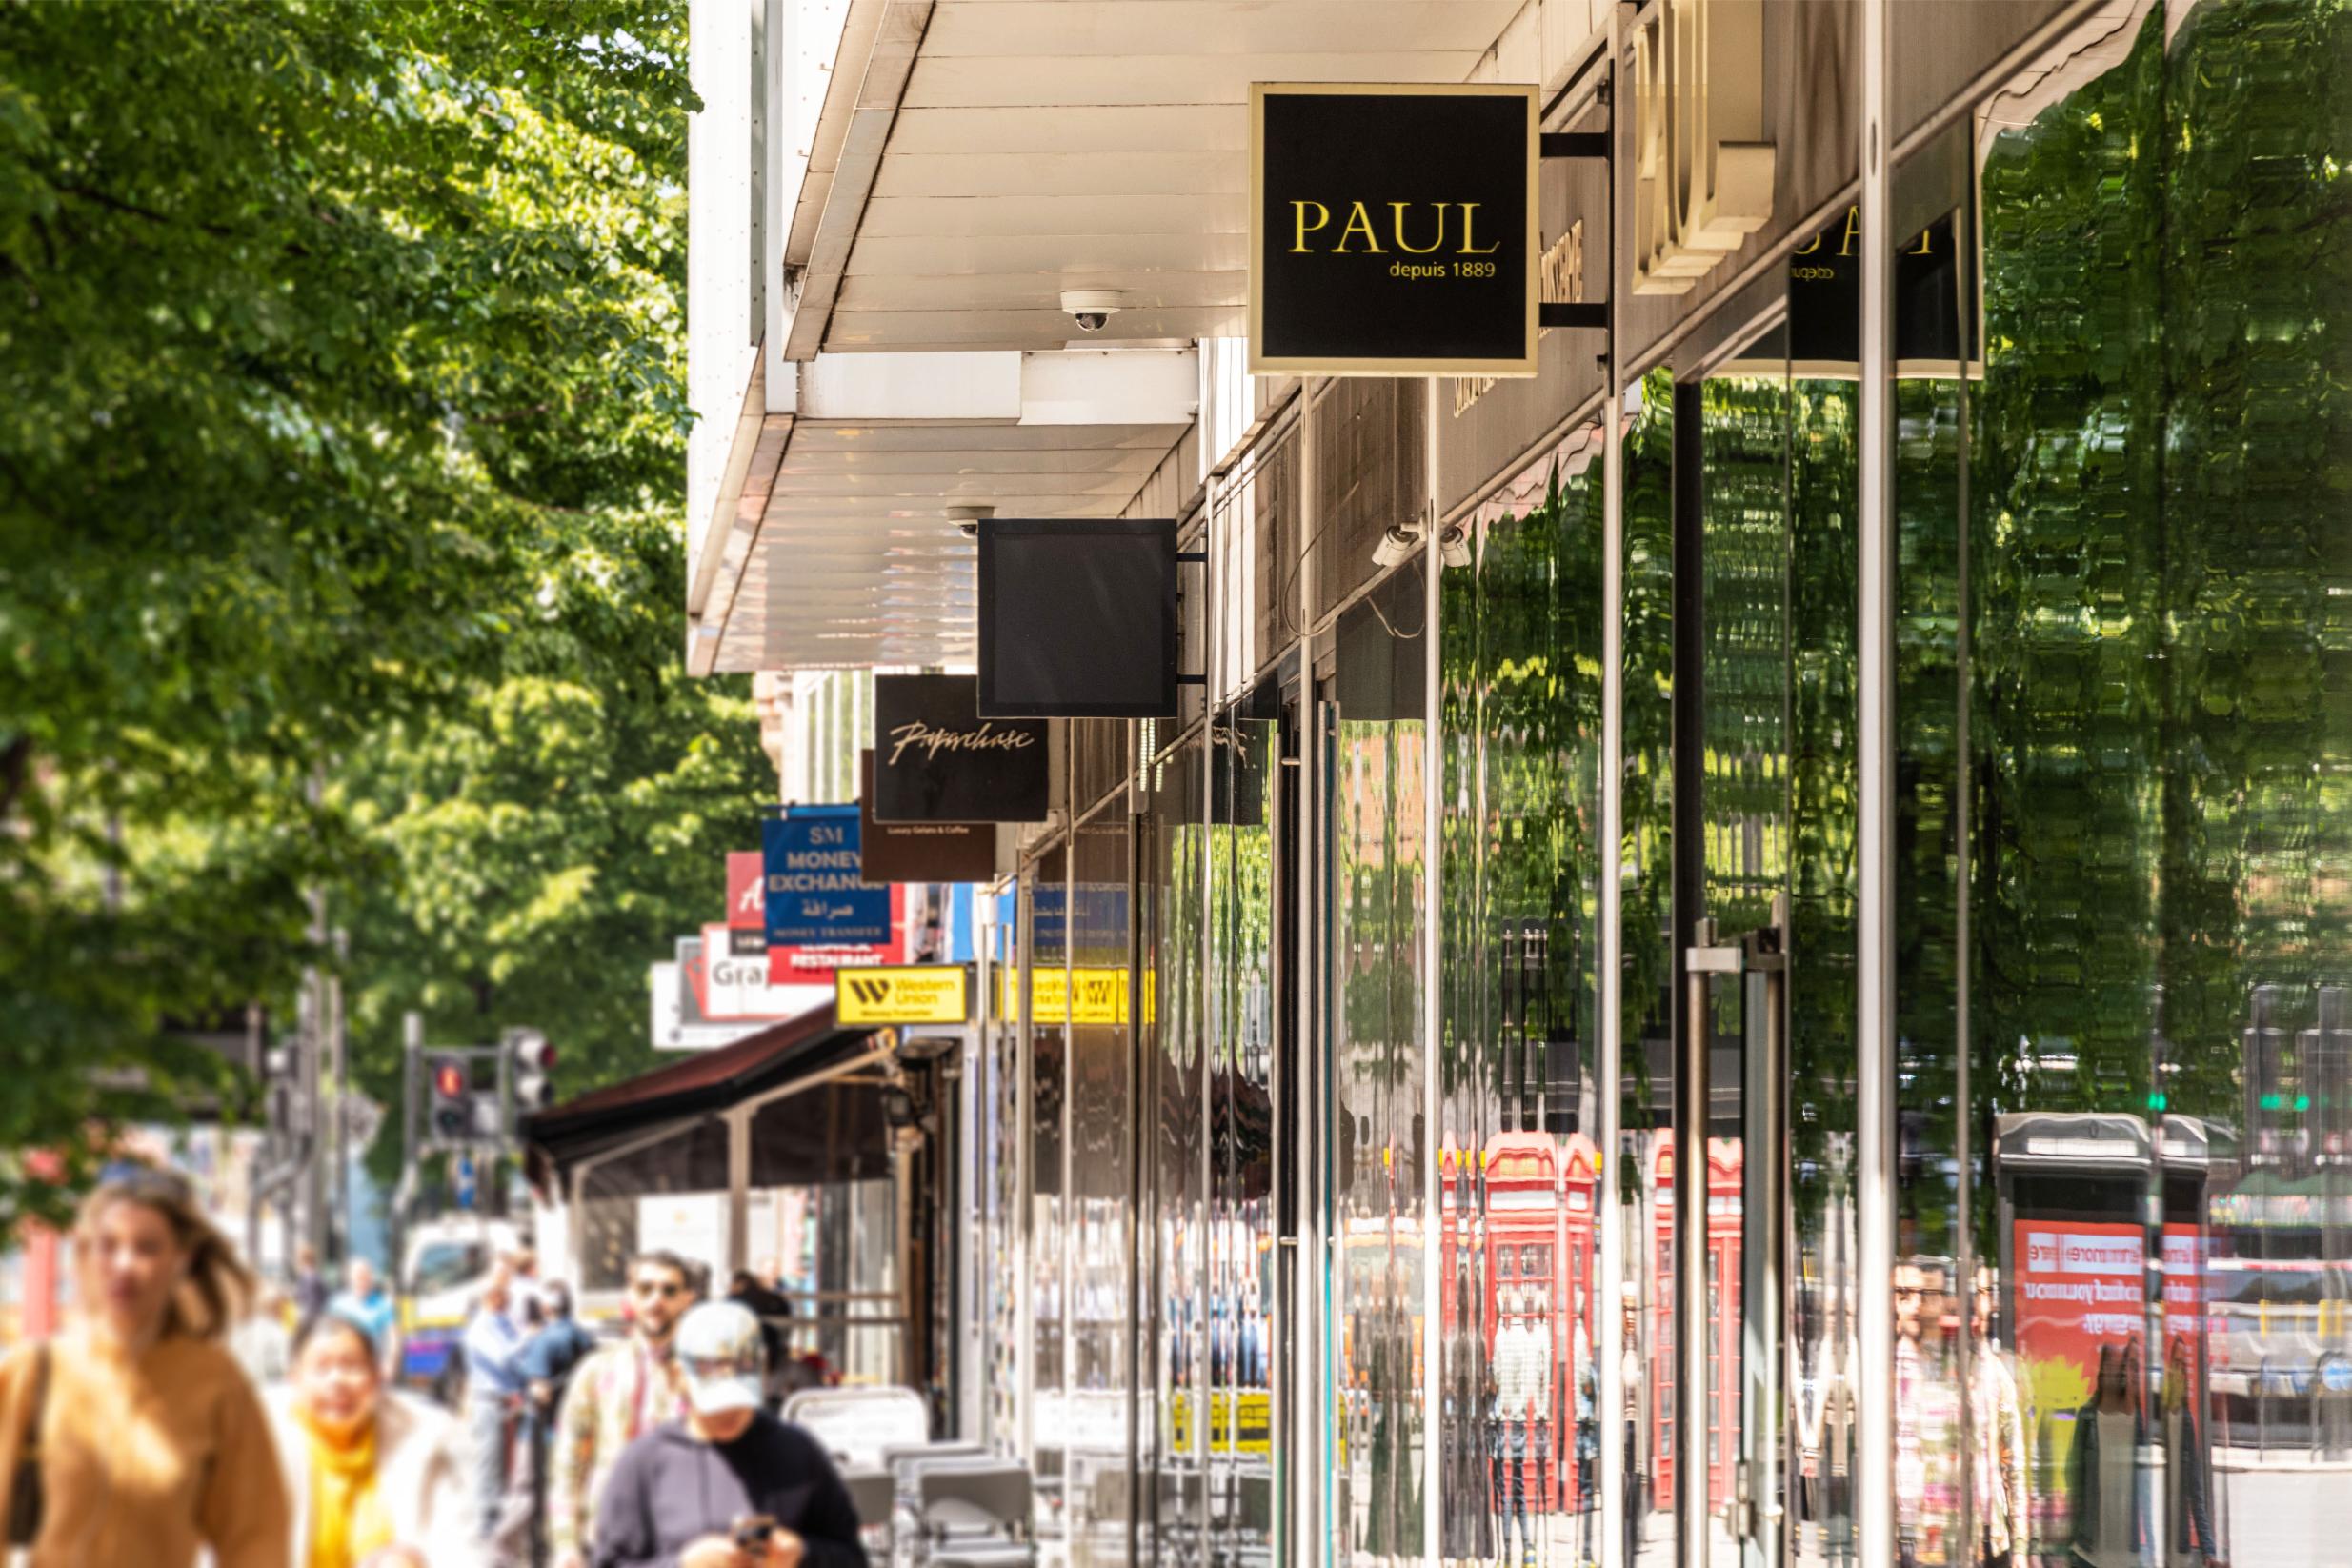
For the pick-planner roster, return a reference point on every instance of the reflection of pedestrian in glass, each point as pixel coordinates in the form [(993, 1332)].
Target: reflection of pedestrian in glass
[(2189, 1539), (1997, 1469), (1587, 1415), (1515, 1372), (2106, 1514), (1637, 1484), (1911, 1373)]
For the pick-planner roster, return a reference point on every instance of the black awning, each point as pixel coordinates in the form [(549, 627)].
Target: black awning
[(835, 1131)]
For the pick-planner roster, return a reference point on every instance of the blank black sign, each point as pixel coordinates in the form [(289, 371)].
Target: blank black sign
[(1394, 231), (1077, 619)]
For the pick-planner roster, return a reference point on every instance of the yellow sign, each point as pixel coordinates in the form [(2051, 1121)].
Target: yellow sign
[(1241, 1421), (902, 993), (1101, 994)]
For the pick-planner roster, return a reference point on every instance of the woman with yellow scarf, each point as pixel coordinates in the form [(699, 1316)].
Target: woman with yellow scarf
[(372, 1474)]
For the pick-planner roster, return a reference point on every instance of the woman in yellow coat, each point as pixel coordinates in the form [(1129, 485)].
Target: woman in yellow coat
[(150, 1441)]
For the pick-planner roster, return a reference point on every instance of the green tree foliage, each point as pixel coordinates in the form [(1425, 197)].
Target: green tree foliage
[(341, 439)]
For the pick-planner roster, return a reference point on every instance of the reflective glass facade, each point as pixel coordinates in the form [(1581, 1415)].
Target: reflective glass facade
[(1480, 1157)]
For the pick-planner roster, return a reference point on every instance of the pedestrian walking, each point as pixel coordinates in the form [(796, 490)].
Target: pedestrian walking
[(260, 1343), (730, 1486), (310, 1288), (144, 1437), (747, 1290), (545, 1363), (375, 1480), (616, 1395), (493, 1387), (365, 1302)]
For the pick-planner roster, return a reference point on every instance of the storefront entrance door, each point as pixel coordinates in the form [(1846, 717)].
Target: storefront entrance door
[(1764, 896)]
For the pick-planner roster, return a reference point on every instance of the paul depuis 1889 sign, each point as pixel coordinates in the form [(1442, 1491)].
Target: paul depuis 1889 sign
[(1393, 228)]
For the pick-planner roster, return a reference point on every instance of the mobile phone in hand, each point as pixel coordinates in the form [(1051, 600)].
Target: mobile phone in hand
[(750, 1532)]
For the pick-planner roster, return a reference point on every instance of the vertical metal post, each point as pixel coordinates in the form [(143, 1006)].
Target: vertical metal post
[(1694, 1329), (1204, 1254), (1313, 1377), (738, 1123), (403, 1195), (1608, 1067), (1874, 1479), (1759, 1518), (339, 1143), (1433, 996), (1024, 1226)]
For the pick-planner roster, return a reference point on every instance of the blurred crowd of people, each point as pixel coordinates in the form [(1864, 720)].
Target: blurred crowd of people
[(189, 1411)]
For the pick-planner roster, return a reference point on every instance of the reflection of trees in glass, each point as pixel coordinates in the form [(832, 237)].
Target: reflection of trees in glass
[(2256, 256), (2162, 559), (1926, 504), (1823, 878), (1646, 900), (1744, 449), (2065, 562)]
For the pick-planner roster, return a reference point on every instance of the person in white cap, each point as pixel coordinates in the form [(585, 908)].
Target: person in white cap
[(730, 1486)]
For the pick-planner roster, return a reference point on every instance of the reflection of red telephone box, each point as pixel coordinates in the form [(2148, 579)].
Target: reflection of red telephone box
[(1522, 1256), (1580, 1184), (1723, 1259)]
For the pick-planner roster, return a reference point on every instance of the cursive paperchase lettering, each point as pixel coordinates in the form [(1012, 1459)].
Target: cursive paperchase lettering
[(986, 738)]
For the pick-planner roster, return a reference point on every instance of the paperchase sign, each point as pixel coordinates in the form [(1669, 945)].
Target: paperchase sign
[(936, 760), (1393, 228)]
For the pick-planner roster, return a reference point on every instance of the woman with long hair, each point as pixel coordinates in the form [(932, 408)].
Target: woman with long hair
[(142, 1435), (377, 1480)]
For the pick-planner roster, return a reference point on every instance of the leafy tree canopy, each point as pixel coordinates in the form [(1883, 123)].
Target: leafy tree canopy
[(341, 467)]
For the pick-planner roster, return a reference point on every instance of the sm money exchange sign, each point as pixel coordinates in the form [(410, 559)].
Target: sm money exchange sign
[(1393, 228)]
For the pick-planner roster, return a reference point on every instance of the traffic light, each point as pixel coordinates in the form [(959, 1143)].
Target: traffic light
[(534, 1061), (453, 1095)]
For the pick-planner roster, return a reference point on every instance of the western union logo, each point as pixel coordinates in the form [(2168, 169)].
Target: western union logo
[(902, 993), (1081, 996)]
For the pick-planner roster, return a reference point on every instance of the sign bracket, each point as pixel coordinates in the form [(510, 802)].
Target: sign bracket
[(1575, 144)]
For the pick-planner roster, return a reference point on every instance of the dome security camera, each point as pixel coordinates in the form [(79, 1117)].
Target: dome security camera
[(1090, 307)]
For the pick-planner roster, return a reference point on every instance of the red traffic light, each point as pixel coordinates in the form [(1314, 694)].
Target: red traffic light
[(449, 1079)]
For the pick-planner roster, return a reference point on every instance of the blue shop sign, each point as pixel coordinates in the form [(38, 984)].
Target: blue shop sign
[(1102, 918), (813, 895)]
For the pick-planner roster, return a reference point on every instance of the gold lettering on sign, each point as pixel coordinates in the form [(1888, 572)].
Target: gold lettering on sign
[(1702, 172), (1302, 227)]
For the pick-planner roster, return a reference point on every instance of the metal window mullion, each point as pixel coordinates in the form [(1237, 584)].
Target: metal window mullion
[(1608, 1066), (1205, 1019), (1315, 1378), (1875, 1026), (1433, 956), (1022, 1232)]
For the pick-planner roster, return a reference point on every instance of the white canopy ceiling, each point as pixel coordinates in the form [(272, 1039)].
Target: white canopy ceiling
[(1033, 146)]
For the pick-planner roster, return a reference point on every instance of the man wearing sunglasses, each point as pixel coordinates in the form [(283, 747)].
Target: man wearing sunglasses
[(617, 1394)]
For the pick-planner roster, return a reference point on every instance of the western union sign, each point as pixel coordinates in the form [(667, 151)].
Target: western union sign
[(1083, 996), (895, 993)]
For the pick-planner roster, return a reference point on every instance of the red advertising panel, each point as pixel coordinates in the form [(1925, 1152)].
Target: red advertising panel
[(814, 965), (2078, 1288), (746, 875)]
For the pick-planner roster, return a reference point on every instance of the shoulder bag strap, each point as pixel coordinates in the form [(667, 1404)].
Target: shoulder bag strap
[(31, 1449)]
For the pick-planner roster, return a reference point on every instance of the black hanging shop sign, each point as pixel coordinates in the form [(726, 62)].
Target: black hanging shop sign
[(921, 852), (936, 760), (1393, 228)]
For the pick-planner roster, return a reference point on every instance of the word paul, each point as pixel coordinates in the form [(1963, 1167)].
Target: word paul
[(1401, 231), (933, 741)]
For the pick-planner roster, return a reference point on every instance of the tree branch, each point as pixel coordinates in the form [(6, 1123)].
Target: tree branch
[(16, 766), (132, 209)]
